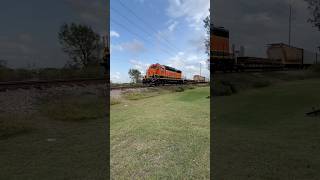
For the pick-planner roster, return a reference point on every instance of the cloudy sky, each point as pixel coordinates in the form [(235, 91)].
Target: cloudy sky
[(169, 32), (254, 24), (28, 33)]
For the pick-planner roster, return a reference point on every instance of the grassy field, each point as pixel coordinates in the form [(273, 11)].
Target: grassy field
[(264, 133), (161, 137), (64, 139), (231, 83)]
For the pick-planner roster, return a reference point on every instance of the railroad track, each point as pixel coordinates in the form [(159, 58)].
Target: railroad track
[(256, 71), (42, 84)]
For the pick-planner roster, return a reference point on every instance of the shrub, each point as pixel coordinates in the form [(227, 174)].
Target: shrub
[(65, 108), (11, 128), (114, 101), (315, 68), (220, 89), (134, 95), (179, 89), (261, 84), (231, 85)]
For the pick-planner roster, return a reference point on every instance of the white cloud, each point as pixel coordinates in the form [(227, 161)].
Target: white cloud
[(260, 18), (139, 65), (189, 64), (134, 46), (173, 26), (194, 11), (114, 34), (114, 47), (16, 47), (119, 77), (197, 41), (25, 37), (90, 12), (115, 77)]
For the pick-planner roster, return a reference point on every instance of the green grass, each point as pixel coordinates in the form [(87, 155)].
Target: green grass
[(264, 133), (70, 108), (46, 145), (13, 125), (231, 83), (152, 92), (166, 136), (139, 95), (114, 101)]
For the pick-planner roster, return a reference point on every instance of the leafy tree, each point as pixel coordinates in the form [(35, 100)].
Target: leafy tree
[(135, 75), (314, 7), (207, 26), (207, 40), (81, 43)]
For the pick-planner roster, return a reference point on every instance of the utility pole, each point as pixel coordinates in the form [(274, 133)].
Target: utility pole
[(200, 69), (290, 23)]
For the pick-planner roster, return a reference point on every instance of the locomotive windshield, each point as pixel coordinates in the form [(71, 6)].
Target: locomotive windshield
[(220, 32), (172, 69)]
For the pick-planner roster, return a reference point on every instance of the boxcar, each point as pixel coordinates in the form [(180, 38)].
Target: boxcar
[(289, 56), (198, 78)]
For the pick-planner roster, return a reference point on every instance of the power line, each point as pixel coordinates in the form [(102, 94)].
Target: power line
[(147, 24), (124, 27), (138, 26)]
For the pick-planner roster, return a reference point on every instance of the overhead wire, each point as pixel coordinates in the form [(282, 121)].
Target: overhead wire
[(136, 34), (146, 23), (140, 27)]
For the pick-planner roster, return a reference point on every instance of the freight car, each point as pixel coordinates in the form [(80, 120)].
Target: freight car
[(280, 55), (291, 57), (198, 78), (160, 74)]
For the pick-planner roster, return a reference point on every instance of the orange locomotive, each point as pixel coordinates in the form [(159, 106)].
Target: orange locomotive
[(161, 74), (220, 56)]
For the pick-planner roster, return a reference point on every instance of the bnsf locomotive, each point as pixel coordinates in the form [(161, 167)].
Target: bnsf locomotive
[(280, 55), (220, 56), (160, 74)]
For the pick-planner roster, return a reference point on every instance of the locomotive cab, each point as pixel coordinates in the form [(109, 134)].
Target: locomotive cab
[(161, 74)]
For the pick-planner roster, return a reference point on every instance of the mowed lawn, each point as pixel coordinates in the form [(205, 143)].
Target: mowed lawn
[(264, 133), (66, 140), (166, 136)]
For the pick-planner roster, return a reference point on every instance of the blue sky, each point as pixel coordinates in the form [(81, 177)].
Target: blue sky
[(168, 32)]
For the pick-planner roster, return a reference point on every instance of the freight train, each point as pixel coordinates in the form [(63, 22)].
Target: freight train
[(158, 74), (280, 55)]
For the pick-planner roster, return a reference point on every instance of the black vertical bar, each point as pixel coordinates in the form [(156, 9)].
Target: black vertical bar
[(211, 91), (107, 68)]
